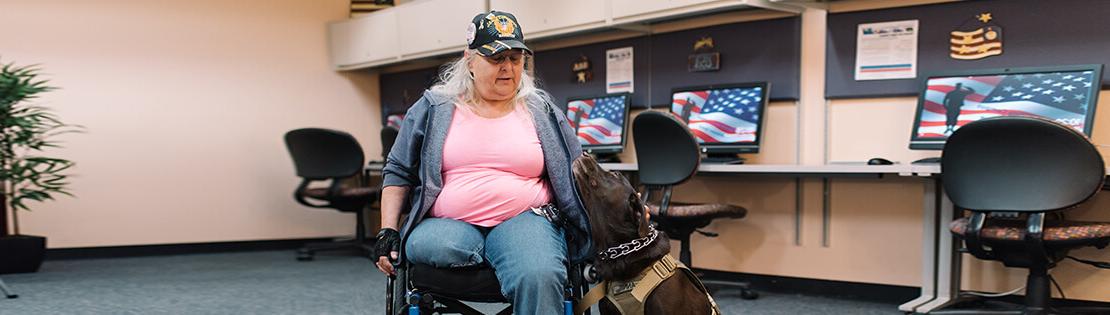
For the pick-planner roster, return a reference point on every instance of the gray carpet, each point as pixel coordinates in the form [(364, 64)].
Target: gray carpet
[(272, 282)]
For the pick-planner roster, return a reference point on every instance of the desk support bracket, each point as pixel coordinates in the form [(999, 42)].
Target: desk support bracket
[(948, 259), (928, 248), (826, 211), (798, 205)]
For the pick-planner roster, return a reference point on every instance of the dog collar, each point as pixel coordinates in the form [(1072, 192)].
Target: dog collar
[(629, 247)]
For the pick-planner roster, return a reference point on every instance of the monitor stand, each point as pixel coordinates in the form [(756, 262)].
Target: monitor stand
[(722, 158), (928, 160), (606, 157)]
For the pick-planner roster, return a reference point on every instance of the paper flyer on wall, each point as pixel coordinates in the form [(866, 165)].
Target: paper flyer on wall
[(618, 70), (886, 50)]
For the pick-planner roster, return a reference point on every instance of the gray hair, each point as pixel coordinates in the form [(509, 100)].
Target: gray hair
[(456, 80)]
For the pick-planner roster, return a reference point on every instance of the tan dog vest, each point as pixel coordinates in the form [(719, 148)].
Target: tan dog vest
[(629, 296)]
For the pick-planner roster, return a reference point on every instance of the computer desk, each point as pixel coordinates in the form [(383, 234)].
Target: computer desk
[(374, 168), (940, 265)]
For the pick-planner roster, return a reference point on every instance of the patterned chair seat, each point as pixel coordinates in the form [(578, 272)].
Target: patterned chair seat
[(1056, 232), (700, 211), (345, 192)]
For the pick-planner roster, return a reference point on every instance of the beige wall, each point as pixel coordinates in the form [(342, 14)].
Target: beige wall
[(185, 104)]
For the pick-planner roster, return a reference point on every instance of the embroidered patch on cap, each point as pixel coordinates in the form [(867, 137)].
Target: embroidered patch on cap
[(493, 32), (470, 30)]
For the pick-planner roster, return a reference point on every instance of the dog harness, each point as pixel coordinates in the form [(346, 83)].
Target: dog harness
[(629, 296)]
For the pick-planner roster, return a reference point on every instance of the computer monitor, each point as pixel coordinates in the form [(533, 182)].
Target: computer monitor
[(599, 122), (726, 119), (1065, 94)]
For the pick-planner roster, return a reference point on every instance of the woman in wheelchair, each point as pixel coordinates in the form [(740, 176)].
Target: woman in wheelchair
[(482, 167)]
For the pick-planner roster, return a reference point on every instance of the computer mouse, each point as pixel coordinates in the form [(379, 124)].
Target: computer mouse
[(879, 161)]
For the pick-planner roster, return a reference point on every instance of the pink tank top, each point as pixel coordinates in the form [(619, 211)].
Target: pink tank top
[(492, 168)]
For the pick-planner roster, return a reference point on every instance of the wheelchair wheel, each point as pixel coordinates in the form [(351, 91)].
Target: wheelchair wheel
[(397, 288)]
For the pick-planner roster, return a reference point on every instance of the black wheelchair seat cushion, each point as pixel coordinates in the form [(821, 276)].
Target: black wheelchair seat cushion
[(700, 211), (1062, 232), (477, 284)]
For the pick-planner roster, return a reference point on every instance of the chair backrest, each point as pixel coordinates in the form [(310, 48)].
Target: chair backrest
[(666, 151), (389, 135), (1020, 164), (324, 153)]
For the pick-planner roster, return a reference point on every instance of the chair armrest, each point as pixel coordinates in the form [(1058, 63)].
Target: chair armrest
[(1034, 238), (299, 195), (664, 201), (665, 204), (335, 188), (972, 238)]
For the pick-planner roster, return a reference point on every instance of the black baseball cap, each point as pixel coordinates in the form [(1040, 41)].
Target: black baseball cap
[(493, 32)]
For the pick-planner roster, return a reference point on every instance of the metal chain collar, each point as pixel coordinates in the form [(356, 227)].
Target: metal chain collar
[(630, 247)]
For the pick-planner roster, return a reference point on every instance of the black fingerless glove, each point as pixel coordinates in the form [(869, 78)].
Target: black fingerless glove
[(388, 240)]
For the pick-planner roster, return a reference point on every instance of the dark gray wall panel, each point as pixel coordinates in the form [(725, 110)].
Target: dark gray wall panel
[(553, 67), (1035, 33), (394, 87), (767, 50)]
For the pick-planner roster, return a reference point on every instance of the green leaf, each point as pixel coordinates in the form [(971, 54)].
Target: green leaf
[(26, 130)]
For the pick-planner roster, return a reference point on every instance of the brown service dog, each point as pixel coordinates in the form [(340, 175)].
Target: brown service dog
[(617, 216)]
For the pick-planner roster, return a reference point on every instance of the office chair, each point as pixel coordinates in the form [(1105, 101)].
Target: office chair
[(323, 154), (7, 292), (667, 154), (389, 136), (1016, 175)]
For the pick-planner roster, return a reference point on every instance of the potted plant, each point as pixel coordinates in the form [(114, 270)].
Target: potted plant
[(25, 175)]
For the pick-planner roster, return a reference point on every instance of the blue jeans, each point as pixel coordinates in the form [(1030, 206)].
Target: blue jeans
[(528, 255)]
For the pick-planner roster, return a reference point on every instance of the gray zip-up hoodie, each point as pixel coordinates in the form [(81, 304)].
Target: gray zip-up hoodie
[(416, 160)]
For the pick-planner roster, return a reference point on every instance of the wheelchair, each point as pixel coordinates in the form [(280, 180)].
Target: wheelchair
[(418, 289)]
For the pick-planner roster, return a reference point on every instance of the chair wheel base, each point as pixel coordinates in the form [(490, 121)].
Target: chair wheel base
[(749, 294), (746, 291), (303, 255)]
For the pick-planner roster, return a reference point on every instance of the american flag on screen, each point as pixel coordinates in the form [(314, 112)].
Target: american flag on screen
[(394, 120), (604, 123), (721, 116), (1057, 96), (578, 110)]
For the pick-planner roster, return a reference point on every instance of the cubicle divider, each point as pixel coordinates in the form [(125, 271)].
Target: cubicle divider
[(766, 50), (401, 89), (1034, 33), (873, 119), (554, 69)]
